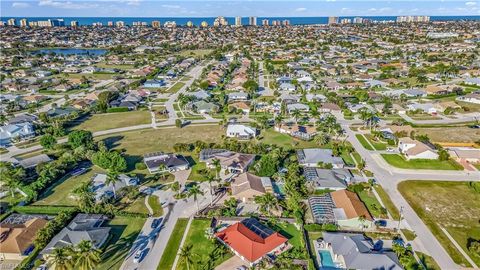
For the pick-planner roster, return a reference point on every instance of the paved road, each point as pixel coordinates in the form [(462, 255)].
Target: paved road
[(389, 177)]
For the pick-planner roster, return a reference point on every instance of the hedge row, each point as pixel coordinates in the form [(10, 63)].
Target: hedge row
[(117, 109), (40, 209)]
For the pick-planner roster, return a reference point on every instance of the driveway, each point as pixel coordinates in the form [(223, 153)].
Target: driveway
[(231, 264)]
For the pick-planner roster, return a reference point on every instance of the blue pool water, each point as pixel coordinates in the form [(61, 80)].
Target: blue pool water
[(326, 259)]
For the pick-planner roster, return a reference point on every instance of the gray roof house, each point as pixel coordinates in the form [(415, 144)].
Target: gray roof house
[(355, 251), (82, 227), (310, 157), (200, 94), (31, 162), (10, 132), (334, 179), (102, 190), (171, 162)]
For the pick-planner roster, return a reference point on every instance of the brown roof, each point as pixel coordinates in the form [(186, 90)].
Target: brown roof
[(16, 238), (350, 203), (247, 181)]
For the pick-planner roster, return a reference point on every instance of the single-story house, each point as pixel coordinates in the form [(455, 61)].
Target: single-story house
[(298, 131), (204, 107), (414, 149), (252, 241), (465, 154), (471, 98), (104, 191), (287, 87), (12, 132), (232, 161), (310, 157), (246, 186), (162, 162), (241, 131), (31, 162), (238, 96), (297, 106), (153, 83), (334, 179)]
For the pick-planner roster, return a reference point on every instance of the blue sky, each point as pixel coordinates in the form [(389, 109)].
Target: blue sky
[(197, 8)]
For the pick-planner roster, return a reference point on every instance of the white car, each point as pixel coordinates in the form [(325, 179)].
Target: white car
[(390, 149)]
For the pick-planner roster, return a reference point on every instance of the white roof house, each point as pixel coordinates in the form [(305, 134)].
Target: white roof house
[(241, 131), (413, 149)]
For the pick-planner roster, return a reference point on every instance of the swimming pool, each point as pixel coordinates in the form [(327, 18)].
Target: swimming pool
[(326, 259)]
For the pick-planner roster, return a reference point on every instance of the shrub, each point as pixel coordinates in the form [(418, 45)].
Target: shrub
[(117, 109), (140, 166)]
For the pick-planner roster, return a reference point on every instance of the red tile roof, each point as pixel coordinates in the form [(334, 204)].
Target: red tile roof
[(249, 244)]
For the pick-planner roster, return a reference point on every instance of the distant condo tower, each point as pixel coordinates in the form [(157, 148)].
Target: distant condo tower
[(204, 24), (252, 21), (238, 21), (220, 21), (170, 24), (357, 20), (11, 22), (119, 24), (156, 24), (110, 24), (410, 19), (345, 21), (286, 23), (265, 22), (332, 20), (74, 24), (23, 23)]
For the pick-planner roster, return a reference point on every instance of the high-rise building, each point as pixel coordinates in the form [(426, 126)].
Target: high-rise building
[(47, 23), (357, 20), (11, 22), (57, 22), (220, 21), (204, 24), (332, 20), (276, 23), (74, 23), (120, 24), (410, 19), (110, 24), (265, 22), (345, 21), (189, 24), (99, 24), (23, 23), (285, 22), (2, 23), (238, 21), (170, 24), (252, 20), (156, 24)]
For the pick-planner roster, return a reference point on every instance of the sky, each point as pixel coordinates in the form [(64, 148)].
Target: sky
[(209, 8)]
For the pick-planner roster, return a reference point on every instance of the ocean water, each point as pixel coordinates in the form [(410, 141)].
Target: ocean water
[(231, 20)]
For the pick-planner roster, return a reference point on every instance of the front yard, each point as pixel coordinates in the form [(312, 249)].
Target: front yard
[(452, 205), (422, 164)]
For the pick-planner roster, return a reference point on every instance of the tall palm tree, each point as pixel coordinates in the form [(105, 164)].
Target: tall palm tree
[(11, 176), (278, 119), (314, 114), (60, 259), (87, 256), (266, 202), (194, 191), (112, 177), (85, 196), (296, 114), (321, 139), (186, 255), (210, 179), (216, 164)]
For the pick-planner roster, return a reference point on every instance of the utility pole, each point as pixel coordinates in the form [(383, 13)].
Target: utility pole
[(400, 218)]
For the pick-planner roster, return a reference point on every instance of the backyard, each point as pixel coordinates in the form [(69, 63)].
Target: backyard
[(104, 121), (422, 164), (454, 206)]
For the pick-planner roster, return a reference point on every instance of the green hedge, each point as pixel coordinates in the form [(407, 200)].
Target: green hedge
[(40, 209), (320, 227), (117, 109)]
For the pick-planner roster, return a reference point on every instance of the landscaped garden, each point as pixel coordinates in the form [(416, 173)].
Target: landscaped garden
[(399, 161), (454, 206)]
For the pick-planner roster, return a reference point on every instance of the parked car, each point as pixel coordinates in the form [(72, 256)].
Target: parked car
[(155, 223), (390, 149), (78, 171), (139, 256), (381, 223)]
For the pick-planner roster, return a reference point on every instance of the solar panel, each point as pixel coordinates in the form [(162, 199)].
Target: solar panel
[(302, 129), (257, 227)]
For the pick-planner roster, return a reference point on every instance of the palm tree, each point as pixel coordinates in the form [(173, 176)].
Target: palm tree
[(85, 196), (314, 114), (266, 202), (112, 177), (216, 164), (296, 114), (11, 176), (60, 259), (194, 191), (87, 255), (186, 255), (210, 179), (278, 119)]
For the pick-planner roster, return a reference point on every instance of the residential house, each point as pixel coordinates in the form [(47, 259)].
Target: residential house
[(298, 131), (287, 87), (14, 132), (472, 81), (162, 162), (237, 96), (246, 186), (423, 107), (104, 191), (321, 179), (153, 83), (284, 79), (465, 154), (470, 98), (231, 161), (311, 157), (241, 131), (32, 162), (204, 107), (252, 241), (297, 107), (83, 227), (413, 149)]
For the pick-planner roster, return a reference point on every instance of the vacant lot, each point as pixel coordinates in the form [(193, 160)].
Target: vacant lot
[(272, 137), (106, 121), (422, 164), (451, 134), (452, 205)]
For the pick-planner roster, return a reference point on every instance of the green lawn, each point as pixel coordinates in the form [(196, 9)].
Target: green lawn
[(154, 203), (270, 136), (372, 204), (410, 235), (348, 159), (137, 206), (378, 145), (60, 192), (427, 261), (170, 252), (399, 161), (196, 173), (106, 121), (176, 87), (291, 232), (452, 205), (124, 232), (391, 208), (202, 246), (363, 141), (195, 53), (357, 157)]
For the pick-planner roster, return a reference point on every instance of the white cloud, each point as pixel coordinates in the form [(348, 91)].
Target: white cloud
[(300, 9), (171, 6), (20, 5), (372, 9), (330, 0), (66, 4), (471, 4)]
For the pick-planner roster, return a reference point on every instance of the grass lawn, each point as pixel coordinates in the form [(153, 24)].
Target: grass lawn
[(450, 134), (202, 246), (427, 261), (452, 205), (60, 192), (378, 145), (195, 174), (410, 235), (137, 206), (363, 141), (357, 157), (391, 208), (106, 121), (291, 232), (176, 87), (124, 232), (270, 136), (12, 201), (154, 203), (372, 204), (348, 159), (423, 164), (313, 236), (173, 244)]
